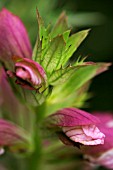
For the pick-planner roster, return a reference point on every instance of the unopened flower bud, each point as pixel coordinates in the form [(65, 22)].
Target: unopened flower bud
[(29, 74)]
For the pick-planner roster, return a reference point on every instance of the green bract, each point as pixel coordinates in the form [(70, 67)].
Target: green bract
[(53, 50)]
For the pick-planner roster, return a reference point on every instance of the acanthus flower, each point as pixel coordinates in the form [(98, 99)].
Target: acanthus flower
[(77, 126), (102, 155), (16, 52), (28, 73), (12, 136), (14, 39)]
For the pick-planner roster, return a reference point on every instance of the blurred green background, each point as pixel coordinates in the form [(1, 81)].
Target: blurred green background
[(82, 14)]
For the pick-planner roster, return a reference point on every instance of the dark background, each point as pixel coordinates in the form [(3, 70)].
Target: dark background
[(82, 14)]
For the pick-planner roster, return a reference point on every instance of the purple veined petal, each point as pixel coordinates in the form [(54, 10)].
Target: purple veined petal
[(92, 131), (106, 127), (86, 135), (105, 159), (102, 154), (106, 118), (11, 106), (72, 117), (12, 135), (13, 37), (34, 71), (7, 97), (78, 125), (29, 74)]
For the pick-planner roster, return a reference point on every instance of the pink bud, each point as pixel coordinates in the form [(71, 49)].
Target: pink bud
[(29, 74)]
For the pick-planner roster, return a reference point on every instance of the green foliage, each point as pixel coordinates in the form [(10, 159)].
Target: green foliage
[(67, 94), (73, 43), (61, 75), (53, 51), (53, 55), (55, 47), (61, 25)]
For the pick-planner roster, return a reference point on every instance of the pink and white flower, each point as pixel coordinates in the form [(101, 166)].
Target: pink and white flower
[(78, 126), (13, 137), (102, 154), (16, 52), (29, 74)]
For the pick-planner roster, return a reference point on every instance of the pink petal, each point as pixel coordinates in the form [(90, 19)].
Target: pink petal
[(78, 125), (10, 134), (1, 151), (86, 135), (106, 127), (93, 131), (22, 73), (72, 117), (13, 37), (34, 71), (29, 74), (11, 106), (106, 159), (7, 97)]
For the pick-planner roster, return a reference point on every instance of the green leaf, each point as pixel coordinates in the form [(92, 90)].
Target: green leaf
[(82, 75), (61, 75), (72, 44), (42, 40), (66, 94), (60, 26), (66, 35), (82, 95), (51, 59)]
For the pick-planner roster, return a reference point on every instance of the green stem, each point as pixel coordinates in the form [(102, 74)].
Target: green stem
[(35, 159)]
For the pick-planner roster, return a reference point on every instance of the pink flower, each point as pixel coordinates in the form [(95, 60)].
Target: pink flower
[(13, 37), (14, 41), (77, 126), (29, 74), (7, 98), (12, 136), (102, 154)]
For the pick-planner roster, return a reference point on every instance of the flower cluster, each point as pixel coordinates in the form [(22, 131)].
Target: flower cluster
[(57, 88)]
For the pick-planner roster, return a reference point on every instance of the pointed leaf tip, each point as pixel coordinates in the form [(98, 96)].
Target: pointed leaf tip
[(61, 25), (62, 17), (73, 43), (39, 18), (103, 67)]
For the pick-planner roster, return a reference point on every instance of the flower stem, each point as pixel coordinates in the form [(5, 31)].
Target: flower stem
[(34, 160)]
